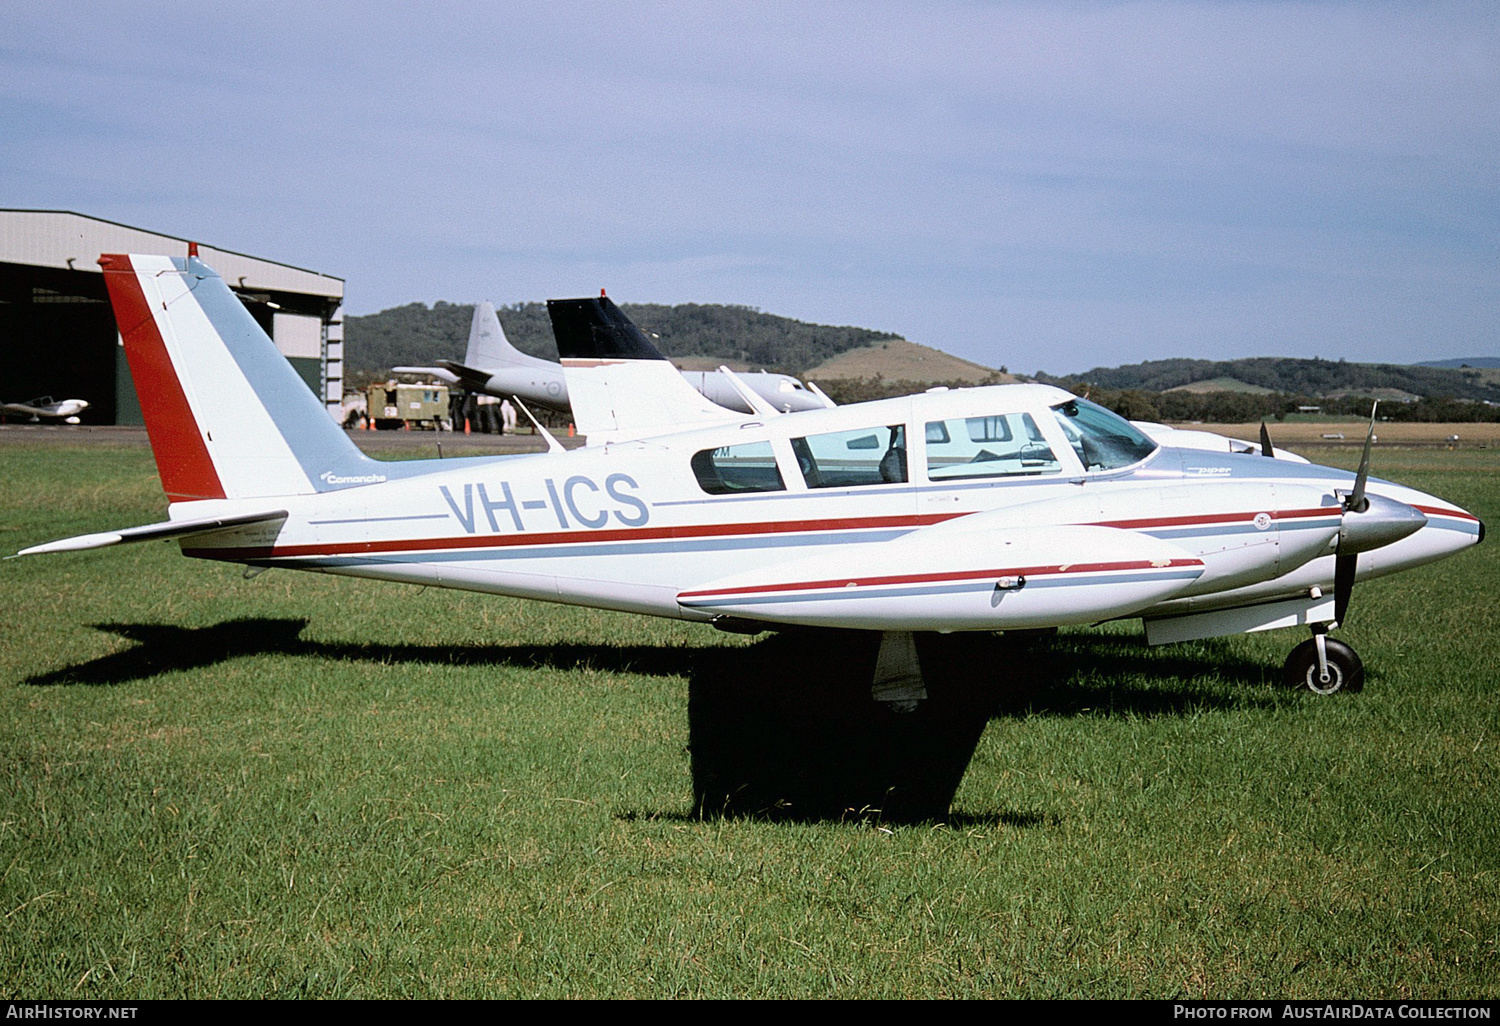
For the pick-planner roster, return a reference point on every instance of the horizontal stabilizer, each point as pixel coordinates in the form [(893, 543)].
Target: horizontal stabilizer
[(471, 378), (152, 532)]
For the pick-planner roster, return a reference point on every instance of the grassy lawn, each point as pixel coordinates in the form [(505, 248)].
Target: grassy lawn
[(303, 786)]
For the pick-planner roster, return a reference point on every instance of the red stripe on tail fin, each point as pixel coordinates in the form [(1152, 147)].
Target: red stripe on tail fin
[(182, 459)]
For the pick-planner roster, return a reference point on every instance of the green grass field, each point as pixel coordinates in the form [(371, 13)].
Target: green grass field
[(302, 786)]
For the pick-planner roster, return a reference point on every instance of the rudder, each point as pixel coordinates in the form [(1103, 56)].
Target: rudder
[(228, 417)]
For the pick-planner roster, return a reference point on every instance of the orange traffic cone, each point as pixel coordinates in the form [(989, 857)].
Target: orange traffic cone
[(570, 430)]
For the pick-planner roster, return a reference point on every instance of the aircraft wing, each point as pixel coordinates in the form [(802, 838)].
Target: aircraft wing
[(153, 532), (44, 408), (958, 578), (442, 374)]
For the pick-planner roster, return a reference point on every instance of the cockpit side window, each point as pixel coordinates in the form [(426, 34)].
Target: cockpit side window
[(738, 468), (843, 459), (1004, 445), (1103, 440)]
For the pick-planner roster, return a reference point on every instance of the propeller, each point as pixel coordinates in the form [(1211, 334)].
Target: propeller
[(1346, 563), (1266, 448)]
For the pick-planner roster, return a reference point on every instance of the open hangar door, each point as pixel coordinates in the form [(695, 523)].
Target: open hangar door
[(57, 329), (58, 338)]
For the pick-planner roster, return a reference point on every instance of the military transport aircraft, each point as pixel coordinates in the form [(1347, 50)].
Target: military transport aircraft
[(976, 509), (495, 367)]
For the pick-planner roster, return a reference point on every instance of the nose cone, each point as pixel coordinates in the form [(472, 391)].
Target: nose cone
[(1380, 523)]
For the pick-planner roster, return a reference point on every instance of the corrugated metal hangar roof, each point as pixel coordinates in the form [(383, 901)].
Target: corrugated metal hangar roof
[(69, 241), (57, 330)]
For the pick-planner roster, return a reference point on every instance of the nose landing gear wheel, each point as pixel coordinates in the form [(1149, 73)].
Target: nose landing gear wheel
[(1345, 671)]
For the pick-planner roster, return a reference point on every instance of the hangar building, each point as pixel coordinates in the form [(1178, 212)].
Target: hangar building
[(57, 330)]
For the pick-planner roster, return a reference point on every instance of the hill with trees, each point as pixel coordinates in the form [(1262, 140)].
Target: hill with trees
[(1290, 376), (1171, 390), (419, 334)]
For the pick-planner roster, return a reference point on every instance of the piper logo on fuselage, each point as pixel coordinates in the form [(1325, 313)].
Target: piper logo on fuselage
[(575, 501)]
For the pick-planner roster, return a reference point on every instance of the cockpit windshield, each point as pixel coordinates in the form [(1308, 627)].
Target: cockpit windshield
[(1103, 440)]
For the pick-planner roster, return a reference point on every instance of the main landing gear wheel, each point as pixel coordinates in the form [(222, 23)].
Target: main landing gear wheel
[(1345, 671)]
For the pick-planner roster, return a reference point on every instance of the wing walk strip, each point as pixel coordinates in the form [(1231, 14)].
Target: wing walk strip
[(1074, 574), (577, 539)]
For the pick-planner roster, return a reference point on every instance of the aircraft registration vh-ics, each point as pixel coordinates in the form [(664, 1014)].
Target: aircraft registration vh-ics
[(999, 508)]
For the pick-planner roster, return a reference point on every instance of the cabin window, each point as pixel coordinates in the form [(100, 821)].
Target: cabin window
[(1103, 440), (844, 459), (1006, 445), (738, 468)]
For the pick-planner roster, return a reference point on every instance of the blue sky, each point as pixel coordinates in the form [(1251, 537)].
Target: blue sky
[(1055, 186)]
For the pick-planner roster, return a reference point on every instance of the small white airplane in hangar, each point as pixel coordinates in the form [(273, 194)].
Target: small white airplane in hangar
[(495, 367), (65, 410), (978, 509)]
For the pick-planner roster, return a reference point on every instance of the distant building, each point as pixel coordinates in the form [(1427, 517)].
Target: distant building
[(57, 330)]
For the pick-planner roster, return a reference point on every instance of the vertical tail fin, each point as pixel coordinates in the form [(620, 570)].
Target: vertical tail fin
[(489, 349), (228, 417), (620, 385)]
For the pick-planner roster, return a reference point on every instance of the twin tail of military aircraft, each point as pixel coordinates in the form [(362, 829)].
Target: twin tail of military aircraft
[(1010, 507)]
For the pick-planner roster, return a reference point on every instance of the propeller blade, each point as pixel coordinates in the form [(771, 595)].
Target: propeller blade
[(1266, 449), (1344, 568), (1356, 501)]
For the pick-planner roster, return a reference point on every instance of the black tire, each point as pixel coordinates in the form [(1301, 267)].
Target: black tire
[(1345, 670)]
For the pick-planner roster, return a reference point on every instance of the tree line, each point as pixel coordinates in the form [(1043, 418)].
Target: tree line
[(1209, 407), (1241, 407), (1292, 376), (418, 334)]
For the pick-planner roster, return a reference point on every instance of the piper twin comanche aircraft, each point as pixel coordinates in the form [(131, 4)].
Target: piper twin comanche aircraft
[(1009, 507), (495, 367)]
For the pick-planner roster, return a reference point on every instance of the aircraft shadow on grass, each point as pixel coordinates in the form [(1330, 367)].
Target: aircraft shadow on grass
[(785, 728)]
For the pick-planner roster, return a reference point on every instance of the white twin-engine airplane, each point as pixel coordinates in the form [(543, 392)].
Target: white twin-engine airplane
[(978, 509), (495, 367)]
